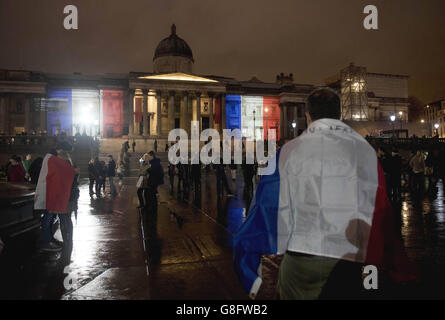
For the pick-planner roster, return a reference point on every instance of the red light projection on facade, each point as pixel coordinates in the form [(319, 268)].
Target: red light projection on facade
[(271, 115), (113, 115)]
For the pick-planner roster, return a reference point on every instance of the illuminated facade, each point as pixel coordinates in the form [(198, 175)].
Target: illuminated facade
[(367, 96), (141, 105), (435, 117)]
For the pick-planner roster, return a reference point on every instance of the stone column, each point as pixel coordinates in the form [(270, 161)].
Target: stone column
[(158, 112), (281, 121), (198, 110), (171, 110), (223, 112), (184, 117), (130, 112), (145, 113), (211, 121), (137, 125), (28, 116)]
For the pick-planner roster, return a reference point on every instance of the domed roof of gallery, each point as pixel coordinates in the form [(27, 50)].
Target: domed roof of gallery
[(173, 46)]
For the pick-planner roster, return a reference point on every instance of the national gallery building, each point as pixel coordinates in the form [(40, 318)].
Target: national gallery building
[(149, 105)]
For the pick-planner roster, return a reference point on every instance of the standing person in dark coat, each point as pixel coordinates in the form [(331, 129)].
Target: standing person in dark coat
[(196, 178), (156, 145), (103, 174), (171, 176), (34, 170), (395, 175), (417, 163), (133, 145), (111, 173), (99, 177), (248, 174), (155, 177), (186, 183), (92, 175), (221, 180), (180, 173), (433, 163)]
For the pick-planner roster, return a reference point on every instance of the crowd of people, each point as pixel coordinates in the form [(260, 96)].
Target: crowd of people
[(417, 172), (184, 177), (28, 170), (100, 172), (18, 170)]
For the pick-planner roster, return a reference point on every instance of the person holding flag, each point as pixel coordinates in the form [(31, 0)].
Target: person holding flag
[(324, 205), (53, 195)]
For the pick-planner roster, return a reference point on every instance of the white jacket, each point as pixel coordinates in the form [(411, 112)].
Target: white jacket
[(328, 184)]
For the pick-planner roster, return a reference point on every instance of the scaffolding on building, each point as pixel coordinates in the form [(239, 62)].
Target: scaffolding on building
[(354, 93)]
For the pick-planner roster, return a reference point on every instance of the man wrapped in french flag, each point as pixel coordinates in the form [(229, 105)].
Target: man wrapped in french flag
[(326, 202), (54, 186)]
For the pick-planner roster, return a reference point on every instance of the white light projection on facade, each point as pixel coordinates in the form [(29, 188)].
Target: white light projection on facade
[(86, 112)]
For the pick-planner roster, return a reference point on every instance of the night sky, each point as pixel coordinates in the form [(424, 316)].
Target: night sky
[(236, 38)]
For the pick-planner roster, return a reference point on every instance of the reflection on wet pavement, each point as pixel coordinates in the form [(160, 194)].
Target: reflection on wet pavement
[(184, 250)]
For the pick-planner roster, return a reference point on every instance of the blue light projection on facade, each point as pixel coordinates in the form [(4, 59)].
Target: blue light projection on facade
[(233, 112), (59, 115)]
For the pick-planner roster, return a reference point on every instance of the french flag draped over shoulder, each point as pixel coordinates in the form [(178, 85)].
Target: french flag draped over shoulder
[(327, 197), (54, 185)]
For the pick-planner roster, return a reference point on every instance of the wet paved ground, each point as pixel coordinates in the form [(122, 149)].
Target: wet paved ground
[(115, 256)]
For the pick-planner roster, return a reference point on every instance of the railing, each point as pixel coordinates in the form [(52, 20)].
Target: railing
[(407, 143), (47, 141)]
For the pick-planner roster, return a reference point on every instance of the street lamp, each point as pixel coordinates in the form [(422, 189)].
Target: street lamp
[(436, 126), (267, 131), (401, 118), (393, 118), (294, 125)]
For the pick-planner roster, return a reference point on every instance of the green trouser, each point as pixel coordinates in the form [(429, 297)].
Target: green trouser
[(303, 277)]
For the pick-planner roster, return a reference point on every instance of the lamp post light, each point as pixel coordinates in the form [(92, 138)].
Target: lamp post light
[(393, 118), (267, 131), (294, 125), (436, 126), (401, 119)]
